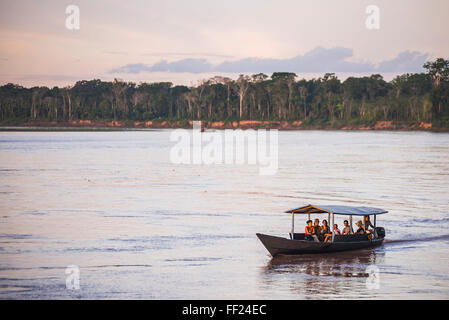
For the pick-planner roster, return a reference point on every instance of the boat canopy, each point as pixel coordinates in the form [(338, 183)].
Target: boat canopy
[(339, 210)]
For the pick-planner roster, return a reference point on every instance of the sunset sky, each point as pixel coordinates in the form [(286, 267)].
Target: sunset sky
[(184, 41)]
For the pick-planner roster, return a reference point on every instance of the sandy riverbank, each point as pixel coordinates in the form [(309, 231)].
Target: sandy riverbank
[(244, 124)]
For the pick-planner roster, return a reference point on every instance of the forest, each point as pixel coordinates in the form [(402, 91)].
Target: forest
[(328, 101)]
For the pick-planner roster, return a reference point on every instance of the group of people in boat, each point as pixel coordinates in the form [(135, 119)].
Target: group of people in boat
[(315, 231)]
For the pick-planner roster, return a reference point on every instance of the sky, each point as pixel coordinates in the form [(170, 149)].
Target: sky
[(185, 41)]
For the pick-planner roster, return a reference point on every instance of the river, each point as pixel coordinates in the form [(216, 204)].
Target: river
[(137, 226)]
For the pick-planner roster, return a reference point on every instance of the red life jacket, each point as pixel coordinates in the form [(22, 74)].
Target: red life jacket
[(310, 230)]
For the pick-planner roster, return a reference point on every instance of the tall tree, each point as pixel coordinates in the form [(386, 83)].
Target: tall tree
[(438, 70), (241, 85), (331, 86)]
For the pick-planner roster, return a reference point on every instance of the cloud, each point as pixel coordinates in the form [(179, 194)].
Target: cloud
[(185, 65), (319, 59), (132, 68), (407, 61)]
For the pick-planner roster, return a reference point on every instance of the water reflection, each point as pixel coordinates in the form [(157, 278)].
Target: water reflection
[(332, 275), (325, 264)]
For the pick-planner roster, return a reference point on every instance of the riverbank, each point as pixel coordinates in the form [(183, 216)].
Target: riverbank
[(218, 125)]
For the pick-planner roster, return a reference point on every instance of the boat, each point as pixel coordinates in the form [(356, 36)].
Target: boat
[(298, 243)]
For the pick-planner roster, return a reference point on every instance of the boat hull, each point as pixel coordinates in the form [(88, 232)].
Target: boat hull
[(277, 245)]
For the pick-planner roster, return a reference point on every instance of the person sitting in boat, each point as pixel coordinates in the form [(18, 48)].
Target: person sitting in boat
[(336, 230), (360, 229), (366, 224), (347, 229), (310, 230), (316, 230), (316, 227), (325, 231)]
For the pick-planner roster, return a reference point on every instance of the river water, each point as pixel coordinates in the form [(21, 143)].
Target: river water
[(113, 206)]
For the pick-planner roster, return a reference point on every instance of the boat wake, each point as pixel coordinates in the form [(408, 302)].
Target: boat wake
[(424, 239)]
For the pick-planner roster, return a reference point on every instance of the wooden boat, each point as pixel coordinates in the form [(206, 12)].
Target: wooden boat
[(298, 243)]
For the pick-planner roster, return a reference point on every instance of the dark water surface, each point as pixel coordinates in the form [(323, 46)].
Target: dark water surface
[(138, 226)]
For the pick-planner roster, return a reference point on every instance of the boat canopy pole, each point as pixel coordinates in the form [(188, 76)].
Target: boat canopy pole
[(293, 226), (350, 224), (333, 229), (374, 234)]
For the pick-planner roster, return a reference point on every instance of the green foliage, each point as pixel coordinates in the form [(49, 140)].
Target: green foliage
[(325, 101)]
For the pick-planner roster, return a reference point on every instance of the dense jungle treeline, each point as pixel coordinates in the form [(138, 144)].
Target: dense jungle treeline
[(419, 97)]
